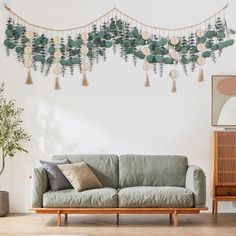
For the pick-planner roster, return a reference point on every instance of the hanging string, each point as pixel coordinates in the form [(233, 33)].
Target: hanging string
[(121, 13)]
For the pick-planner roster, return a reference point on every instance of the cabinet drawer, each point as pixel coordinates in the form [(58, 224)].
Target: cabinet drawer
[(226, 191)]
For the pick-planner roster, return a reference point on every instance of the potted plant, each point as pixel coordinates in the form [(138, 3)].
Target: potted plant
[(11, 136)]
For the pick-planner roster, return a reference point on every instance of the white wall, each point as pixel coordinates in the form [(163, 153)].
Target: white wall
[(116, 114)]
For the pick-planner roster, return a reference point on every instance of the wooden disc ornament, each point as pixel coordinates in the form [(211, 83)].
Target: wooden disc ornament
[(146, 35), (174, 74), (84, 50), (175, 55), (200, 33), (147, 66), (57, 40), (174, 40), (84, 66), (57, 70), (29, 35), (146, 51), (27, 50), (201, 47), (28, 63), (84, 36), (201, 61), (57, 55)]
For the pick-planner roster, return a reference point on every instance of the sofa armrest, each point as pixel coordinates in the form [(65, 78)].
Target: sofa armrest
[(39, 187), (196, 182)]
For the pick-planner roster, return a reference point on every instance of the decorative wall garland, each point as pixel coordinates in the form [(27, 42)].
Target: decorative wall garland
[(43, 49)]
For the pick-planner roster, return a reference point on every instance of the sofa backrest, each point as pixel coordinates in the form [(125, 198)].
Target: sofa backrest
[(152, 170), (105, 167)]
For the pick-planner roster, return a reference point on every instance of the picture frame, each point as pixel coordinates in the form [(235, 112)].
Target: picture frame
[(223, 100)]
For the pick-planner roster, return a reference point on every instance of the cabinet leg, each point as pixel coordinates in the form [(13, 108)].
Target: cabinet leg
[(216, 207), (213, 206)]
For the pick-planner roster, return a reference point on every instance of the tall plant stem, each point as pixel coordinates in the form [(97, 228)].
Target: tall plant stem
[(3, 162)]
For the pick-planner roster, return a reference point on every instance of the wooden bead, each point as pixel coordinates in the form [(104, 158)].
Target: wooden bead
[(84, 50), (147, 66), (174, 40), (57, 70), (28, 63), (200, 33), (174, 74), (146, 51), (84, 36), (84, 66), (29, 35), (27, 50), (146, 35), (201, 61), (201, 47), (57, 40)]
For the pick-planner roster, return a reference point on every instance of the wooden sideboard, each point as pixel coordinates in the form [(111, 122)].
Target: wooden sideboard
[(223, 168)]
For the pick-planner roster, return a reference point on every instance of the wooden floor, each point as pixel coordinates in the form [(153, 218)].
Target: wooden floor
[(84, 225)]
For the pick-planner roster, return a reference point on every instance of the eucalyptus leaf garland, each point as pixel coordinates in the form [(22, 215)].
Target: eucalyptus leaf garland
[(85, 49)]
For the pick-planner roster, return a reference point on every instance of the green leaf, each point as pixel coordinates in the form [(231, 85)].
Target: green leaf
[(50, 60), (51, 50), (63, 62), (19, 29), (184, 60), (127, 43), (151, 58), (206, 54), (7, 42), (107, 36), (19, 50), (11, 45), (202, 39), (221, 34), (90, 45), (75, 60), (9, 33), (158, 58), (140, 54), (167, 60), (209, 44), (108, 44), (163, 41), (231, 31)]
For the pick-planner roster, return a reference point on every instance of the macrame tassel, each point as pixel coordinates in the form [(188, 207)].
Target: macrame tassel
[(57, 84), (201, 75), (29, 80), (174, 90), (147, 81), (85, 81)]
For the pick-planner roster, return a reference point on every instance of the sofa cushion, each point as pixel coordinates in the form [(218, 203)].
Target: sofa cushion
[(151, 170), (155, 197), (95, 198), (105, 167), (56, 179), (80, 176)]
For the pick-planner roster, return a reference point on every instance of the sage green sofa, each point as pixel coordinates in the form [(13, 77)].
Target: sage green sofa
[(131, 184)]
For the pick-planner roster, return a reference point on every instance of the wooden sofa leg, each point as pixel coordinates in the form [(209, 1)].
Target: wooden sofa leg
[(170, 217), (117, 219), (58, 218), (66, 217), (176, 218)]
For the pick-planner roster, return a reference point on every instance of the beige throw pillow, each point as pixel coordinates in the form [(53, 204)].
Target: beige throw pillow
[(80, 176)]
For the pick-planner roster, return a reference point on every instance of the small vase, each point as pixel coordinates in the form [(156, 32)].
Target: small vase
[(4, 203)]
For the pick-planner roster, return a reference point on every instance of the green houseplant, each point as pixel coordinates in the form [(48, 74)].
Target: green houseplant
[(11, 137)]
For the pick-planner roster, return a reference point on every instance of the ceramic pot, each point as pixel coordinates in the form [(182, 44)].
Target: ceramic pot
[(4, 203)]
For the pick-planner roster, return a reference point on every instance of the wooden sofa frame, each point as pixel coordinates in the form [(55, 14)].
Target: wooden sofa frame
[(173, 212)]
